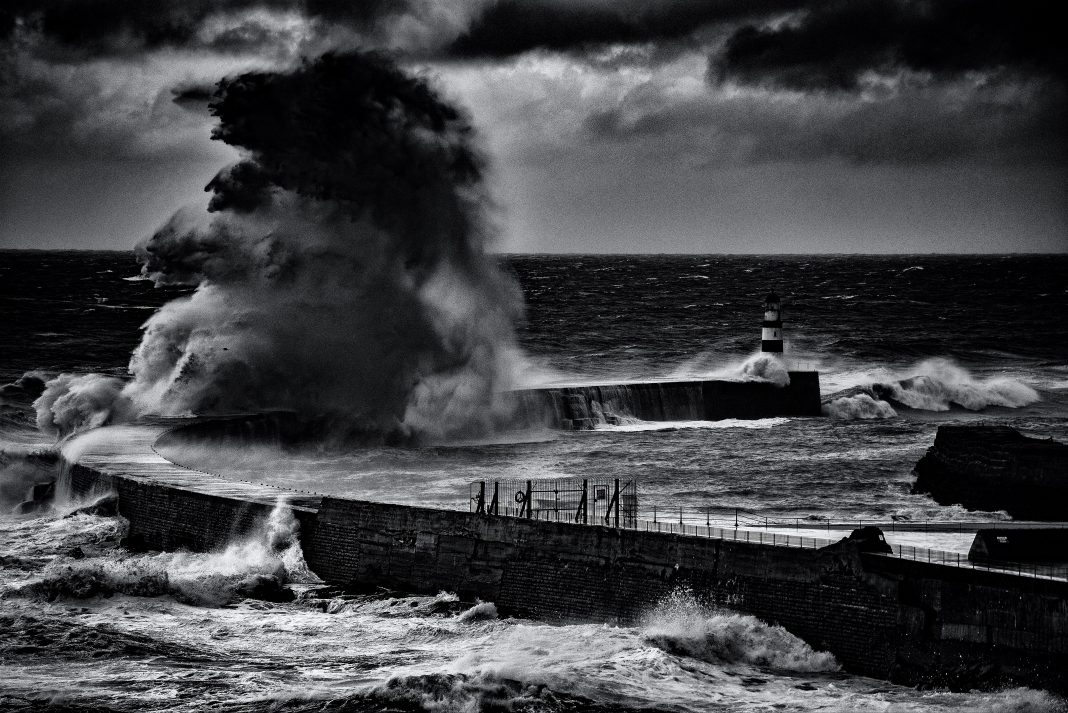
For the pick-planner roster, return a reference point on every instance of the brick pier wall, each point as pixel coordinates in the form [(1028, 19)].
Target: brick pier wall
[(163, 517), (906, 621)]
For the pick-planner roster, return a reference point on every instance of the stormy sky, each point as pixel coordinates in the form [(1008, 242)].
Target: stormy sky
[(739, 126)]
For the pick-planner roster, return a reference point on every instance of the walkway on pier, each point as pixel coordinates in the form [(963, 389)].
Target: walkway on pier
[(128, 451)]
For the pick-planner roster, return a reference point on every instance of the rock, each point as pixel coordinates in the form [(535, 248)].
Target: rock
[(265, 587), (106, 506), (996, 468), (870, 539)]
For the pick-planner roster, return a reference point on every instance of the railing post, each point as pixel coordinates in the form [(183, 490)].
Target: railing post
[(617, 502), (583, 506), (495, 504), (528, 503), (480, 507)]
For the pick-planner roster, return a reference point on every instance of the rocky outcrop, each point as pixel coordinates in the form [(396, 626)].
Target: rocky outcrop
[(996, 468)]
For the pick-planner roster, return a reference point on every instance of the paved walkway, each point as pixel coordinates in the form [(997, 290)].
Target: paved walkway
[(127, 451)]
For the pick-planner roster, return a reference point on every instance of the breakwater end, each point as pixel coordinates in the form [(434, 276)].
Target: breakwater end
[(996, 468), (881, 615), (582, 406)]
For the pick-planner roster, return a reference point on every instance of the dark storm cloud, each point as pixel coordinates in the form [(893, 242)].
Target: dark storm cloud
[(387, 173), (97, 27), (996, 124), (479, 28), (92, 111), (835, 42), (510, 27)]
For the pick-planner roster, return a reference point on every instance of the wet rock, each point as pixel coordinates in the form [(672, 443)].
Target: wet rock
[(265, 587), (106, 506)]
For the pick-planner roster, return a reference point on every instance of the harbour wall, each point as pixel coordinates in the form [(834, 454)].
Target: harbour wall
[(581, 407), (906, 621)]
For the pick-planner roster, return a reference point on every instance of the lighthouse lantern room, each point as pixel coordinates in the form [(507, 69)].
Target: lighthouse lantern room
[(771, 332)]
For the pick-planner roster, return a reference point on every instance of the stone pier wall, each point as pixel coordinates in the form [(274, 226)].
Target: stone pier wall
[(906, 621), (902, 620), (582, 407)]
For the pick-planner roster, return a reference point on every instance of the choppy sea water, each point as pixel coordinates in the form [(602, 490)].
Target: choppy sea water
[(88, 626)]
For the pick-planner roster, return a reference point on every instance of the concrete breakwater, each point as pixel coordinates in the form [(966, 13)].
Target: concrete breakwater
[(903, 620), (580, 407)]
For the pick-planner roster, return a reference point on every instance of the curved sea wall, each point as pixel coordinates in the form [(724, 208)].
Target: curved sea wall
[(996, 468), (903, 620)]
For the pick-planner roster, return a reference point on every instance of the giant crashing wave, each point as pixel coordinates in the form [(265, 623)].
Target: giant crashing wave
[(341, 270)]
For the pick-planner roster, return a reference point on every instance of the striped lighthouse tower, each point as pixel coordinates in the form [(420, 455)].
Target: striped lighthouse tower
[(771, 333)]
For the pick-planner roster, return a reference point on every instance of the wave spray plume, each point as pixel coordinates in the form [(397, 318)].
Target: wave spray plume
[(341, 269)]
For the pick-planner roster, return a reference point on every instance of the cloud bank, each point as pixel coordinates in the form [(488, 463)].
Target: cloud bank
[(563, 88)]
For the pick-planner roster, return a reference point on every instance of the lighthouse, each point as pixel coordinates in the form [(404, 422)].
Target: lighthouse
[(771, 331)]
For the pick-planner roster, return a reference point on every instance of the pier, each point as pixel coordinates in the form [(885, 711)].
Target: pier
[(880, 613), (582, 406)]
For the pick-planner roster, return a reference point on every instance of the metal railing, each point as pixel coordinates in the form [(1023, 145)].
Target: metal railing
[(747, 532), (1037, 570), (581, 500), (742, 519)]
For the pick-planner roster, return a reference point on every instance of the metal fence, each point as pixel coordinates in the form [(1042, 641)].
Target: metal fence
[(598, 501), (740, 519), (544, 494), (1039, 570)]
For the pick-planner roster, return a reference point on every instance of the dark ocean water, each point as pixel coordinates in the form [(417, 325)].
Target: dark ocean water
[(956, 339)]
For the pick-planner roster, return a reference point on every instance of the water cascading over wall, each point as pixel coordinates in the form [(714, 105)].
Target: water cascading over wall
[(583, 407)]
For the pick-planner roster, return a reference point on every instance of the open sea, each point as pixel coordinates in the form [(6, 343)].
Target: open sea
[(86, 626)]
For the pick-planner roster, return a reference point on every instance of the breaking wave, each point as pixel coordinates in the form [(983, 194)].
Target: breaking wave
[(761, 366), (860, 406), (257, 566), (483, 611), (341, 271), (931, 385), (636, 425), (681, 625), (71, 403), (939, 384)]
